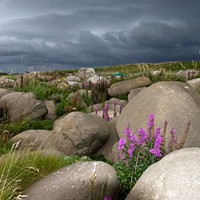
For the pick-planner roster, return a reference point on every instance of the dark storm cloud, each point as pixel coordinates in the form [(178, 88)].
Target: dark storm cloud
[(73, 33)]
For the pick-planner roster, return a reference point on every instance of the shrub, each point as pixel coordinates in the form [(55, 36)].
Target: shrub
[(138, 153), (99, 91)]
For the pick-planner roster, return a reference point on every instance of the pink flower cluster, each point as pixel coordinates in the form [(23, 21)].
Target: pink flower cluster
[(129, 144)]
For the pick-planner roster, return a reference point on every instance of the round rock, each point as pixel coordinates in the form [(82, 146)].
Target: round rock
[(174, 102), (81, 134), (80, 181), (176, 176), (124, 87)]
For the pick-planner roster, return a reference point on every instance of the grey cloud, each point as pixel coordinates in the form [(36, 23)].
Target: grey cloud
[(74, 33)]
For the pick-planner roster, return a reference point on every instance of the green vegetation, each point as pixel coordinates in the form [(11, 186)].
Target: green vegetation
[(11, 129), (144, 67), (43, 91), (21, 169)]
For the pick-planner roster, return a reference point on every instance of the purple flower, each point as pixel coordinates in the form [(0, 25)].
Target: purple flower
[(121, 107), (150, 122), (121, 144), (133, 139), (173, 131), (107, 198), (155, 152), (142, 136), (115, 103), (173, 139), (158, 142), (157, 133), (128, 133), (105, 114), (156, 149), (130, 152)]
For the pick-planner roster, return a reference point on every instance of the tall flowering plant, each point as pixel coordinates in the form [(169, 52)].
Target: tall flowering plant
[(137, 152)]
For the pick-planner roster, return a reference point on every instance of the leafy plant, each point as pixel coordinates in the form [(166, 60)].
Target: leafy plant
[(138, 153)]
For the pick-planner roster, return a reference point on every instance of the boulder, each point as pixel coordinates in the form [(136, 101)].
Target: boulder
[(6, 82), (114, 154), (34, 140), (106, 150), (195, 83), (97, 79), (134, 92), (73, 78), (84, 92), (81, 134), (189, 74), (192, 73), (124, 87), (181, 73), (80, 181), (176, 176), (4, 92), (156, 72), (120, 104), (174, 102), (78, 98), (20, 105), (51, 107), (73, 81), (85, 73), (64, 85)]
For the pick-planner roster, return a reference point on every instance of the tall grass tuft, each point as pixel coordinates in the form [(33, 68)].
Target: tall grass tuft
[(20, 169)]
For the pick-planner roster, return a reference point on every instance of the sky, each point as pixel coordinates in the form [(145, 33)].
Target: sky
[(68, 34)]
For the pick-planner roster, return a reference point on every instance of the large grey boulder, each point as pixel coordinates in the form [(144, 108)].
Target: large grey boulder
[(195, 83), (80, 181), (6, 82), (85, 73), (23, 105), (79, 133), (110, 104), (34, 140), (97, 79), (106, 150), (124, 87), (51, 107), (78, 98), (73, 79), (176, 176), (134, 92), (4, 92), (175, 102)]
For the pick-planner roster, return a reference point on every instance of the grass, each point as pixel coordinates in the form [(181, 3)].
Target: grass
[(12, 129), (19, 170), (43, 91), (143, 67)]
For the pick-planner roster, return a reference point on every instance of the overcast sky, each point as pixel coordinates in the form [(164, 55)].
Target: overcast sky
[(85, 33)]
